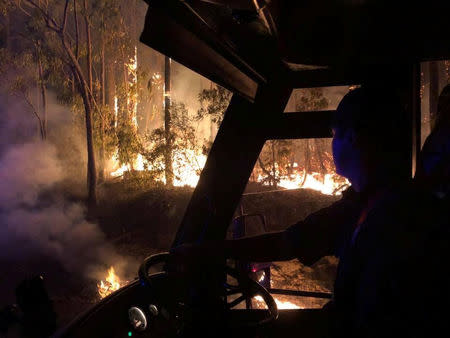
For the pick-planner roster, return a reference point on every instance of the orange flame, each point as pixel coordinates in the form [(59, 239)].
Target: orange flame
[(328, 184), (186, 167), (112, 283), (280, 304)]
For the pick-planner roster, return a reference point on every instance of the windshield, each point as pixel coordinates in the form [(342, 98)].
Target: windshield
[(103, 143)]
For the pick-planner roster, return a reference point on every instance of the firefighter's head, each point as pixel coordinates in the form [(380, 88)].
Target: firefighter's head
[(369, 135)]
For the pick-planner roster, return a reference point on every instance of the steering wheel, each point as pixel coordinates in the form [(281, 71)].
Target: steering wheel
[(247, 287)]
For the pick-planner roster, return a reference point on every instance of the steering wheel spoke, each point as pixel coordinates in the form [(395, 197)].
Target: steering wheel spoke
[(236, 301)]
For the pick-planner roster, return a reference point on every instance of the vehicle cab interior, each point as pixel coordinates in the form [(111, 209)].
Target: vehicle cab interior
[(262, 51)]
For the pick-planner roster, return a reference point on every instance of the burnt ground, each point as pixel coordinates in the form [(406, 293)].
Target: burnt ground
[(140, 223)]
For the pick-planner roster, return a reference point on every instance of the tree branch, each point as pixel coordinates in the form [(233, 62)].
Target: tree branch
[(50, 22), (64, 22)]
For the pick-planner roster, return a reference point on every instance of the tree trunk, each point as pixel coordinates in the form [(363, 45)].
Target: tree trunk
[(307, 161), (447, 70), (89, 45), (319, 152), (167, 124), (88, 100), (91, 168), (103, 73), (43, 90), (88, 103), (111, 90), (274, 169), (77, 30), (101, 169), (434, 92), (7, 31)]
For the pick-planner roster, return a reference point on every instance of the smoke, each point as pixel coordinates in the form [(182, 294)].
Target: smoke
[(37, 218)]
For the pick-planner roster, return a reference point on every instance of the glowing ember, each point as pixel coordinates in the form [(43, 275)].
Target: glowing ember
[(280, 304), (110, 284)]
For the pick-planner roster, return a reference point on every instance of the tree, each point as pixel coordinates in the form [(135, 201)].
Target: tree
[(312, 99), (274, 161), (75, 38), (21, 77), (185, 146), (53, 17), (168, 154), (214, 101), (25, 66)]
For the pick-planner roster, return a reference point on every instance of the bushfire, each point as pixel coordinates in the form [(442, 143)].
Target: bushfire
[(111, 283), (187, 168)]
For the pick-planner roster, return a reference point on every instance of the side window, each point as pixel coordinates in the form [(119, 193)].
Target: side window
[(435, 75), (291, 179)]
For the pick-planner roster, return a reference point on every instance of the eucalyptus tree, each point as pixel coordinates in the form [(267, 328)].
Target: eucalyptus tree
[(54, 20)]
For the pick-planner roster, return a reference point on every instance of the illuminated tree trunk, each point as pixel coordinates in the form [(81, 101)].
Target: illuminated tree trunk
[(307, 161), (101, 169), (319, 152), (167, 124), (89, 45), (274, 168), (88, 99)]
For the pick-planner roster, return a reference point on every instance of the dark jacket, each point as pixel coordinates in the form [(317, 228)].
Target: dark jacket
[(388, 277)]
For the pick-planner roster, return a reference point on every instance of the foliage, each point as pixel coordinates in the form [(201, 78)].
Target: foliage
[(274, 161), (18, 72), (108, 135), (185, 145), (310, 99), (214, 102), (128, 143)]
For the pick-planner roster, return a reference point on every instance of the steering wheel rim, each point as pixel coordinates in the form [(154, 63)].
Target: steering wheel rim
[(144, 277), (246, 286)]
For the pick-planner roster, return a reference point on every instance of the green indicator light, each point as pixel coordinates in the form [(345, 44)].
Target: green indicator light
[(130, 333)]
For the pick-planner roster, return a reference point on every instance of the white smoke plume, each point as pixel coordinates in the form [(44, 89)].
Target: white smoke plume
[(36, 217)]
